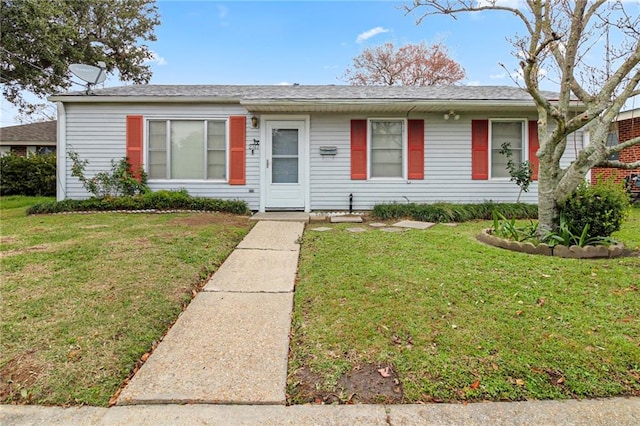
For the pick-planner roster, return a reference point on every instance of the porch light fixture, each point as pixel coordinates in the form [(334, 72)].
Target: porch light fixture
[(451, 114), (254, 122)]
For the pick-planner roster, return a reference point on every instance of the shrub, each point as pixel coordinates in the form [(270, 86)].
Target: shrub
[(118, 181), (602, 207), (33, 175), (160, 200), (450, 212)]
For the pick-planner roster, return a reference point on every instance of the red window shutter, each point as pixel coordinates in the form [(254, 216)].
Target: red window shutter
[(134, 137), (534, 145), (415, 138), (358, 149), (480, 149), (237, 154)]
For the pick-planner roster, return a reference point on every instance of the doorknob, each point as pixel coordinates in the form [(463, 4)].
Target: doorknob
[(267, 163)]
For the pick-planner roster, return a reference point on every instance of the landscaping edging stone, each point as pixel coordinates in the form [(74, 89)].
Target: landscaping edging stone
[(571, 252)]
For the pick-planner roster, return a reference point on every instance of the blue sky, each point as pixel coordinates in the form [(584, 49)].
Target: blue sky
[(310, 42)]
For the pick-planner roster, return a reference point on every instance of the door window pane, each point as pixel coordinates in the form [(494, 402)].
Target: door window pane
[(386, 149), (284, 170), (285, 141), (284, 156), (510, 132)]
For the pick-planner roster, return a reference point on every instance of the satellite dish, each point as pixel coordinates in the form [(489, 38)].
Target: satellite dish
[(90, 74)]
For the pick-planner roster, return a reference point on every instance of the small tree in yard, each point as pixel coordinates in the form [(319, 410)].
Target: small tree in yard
[(410, 65), (560, 36), (521, 174)]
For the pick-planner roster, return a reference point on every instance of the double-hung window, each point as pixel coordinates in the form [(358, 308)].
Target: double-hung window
[(187, 149), (387, 148), (513, 133)]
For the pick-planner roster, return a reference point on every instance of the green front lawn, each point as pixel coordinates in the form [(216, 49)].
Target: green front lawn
[(85, 296), (459, 320)]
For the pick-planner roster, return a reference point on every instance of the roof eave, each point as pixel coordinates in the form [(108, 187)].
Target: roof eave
[(141, 99)]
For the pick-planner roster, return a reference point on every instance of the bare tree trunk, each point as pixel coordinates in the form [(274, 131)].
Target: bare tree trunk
[(548, 211)]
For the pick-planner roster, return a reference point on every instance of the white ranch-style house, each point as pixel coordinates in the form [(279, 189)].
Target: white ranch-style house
[(307, 148)]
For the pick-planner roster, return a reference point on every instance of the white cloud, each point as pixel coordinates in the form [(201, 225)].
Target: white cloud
[(500, 76), (156, 59), (223, 11), (472, 83), (283, 83), (368, 34)]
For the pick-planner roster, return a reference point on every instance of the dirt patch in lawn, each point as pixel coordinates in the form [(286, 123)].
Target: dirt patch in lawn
[(39, 247), (17, 375), (6, 239), (364, 384), (204, 219)]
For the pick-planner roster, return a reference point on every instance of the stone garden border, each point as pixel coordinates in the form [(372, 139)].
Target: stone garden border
[(572, 252)]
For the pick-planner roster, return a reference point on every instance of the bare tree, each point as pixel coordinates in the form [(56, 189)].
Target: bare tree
[(561, 38), (410, 65)]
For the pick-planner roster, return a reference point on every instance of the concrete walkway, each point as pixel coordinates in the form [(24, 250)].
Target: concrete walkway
[(230, 345)]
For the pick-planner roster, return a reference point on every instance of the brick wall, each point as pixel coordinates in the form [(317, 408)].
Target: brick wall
[(627, 129)]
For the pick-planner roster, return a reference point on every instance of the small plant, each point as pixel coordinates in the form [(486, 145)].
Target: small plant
[(521, 174), (119, 181), (567, 237), (506, 228)]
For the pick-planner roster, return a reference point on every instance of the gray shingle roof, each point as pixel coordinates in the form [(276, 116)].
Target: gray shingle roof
[(325, 93), (33, 132)]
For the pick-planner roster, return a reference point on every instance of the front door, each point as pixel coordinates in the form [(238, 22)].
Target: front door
[(285, 174)]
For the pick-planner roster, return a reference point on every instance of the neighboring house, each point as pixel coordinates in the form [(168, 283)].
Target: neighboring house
[(34, 138), (308, 148), (626, 127)]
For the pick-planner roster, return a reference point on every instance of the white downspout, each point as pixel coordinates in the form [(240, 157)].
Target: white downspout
[(61, 153)]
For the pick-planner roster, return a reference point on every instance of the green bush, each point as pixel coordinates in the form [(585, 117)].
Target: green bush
[(602, 206), (160, 200), (450, 212), (120, 180), (33, 175)]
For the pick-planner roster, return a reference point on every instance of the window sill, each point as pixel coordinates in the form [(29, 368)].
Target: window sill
[(187, 181)]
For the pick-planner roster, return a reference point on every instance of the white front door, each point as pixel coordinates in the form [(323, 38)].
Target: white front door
[(285, 172)]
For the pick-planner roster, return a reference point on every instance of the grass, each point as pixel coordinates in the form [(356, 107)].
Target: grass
[(84, 296), (462, 321)]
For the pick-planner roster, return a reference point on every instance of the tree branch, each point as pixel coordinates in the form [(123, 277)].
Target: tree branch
[(614, 164)]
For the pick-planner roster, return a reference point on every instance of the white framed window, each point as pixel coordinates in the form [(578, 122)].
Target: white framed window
[(187, 149), (387, 148), (513, 132)]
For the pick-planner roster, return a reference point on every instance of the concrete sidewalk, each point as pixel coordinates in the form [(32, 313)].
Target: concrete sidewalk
[(230, 345), (615, 411)]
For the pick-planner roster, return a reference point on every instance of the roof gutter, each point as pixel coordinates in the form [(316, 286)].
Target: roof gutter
[(142, 99)]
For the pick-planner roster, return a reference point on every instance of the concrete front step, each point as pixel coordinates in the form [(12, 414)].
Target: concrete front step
[(282, 216), (226, 348)]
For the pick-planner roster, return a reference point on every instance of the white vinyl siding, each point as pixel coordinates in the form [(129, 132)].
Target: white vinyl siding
[(97, 132), (511, 132), (447, 159)]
